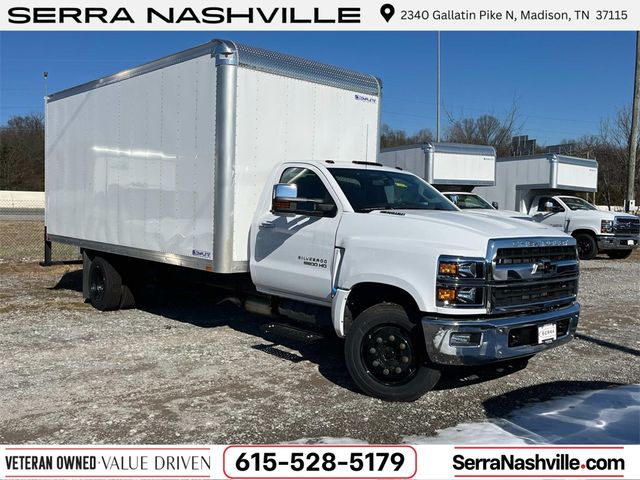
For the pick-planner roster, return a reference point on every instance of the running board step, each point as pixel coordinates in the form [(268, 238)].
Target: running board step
[(292, 333)]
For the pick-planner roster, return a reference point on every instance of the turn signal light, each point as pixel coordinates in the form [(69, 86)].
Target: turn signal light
[(446, 294), (280, 205), (448, 268)]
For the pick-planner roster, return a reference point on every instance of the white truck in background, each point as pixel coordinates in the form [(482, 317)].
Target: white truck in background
[(544, 186), (455, 169), (253, 169), (476, 204)]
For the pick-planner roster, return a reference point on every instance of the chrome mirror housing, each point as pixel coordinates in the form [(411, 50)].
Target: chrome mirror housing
[(285, 191)]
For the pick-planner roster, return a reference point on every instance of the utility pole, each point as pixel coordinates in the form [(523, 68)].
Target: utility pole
[(633, 138), (437, 86)]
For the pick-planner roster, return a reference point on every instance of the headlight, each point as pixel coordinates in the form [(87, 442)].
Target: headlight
[(460, 282), (452, 267), (460, 296), (606, 226)]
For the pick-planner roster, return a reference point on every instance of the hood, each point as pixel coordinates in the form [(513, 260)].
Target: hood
[(447, 232), (599, 214), (490, 212), (493, 225)]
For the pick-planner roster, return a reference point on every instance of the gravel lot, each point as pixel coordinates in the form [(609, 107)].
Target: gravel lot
[(184, 369)]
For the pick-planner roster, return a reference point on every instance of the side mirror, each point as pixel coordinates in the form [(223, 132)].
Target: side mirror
[(285, 200), (551, 208), (494, 205), (285, 191)]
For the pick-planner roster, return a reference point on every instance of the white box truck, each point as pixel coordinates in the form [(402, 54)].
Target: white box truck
[(544, 186), (254, 168), (455, 169)]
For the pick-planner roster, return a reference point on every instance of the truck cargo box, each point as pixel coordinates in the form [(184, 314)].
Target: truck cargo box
[(518, 178), (165, 161), (444, 163)]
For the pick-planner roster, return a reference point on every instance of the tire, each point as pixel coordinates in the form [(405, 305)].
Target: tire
[(105, 285), (385, 328), (587, 246), (130, 284), (619, 254), (127, 299)]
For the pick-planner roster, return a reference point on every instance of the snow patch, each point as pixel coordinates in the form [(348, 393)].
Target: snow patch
[(609, 416)]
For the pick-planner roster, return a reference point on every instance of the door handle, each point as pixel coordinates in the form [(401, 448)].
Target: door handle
[(267, 225)]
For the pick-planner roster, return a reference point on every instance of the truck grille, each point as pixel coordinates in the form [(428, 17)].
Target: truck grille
[(506, 256), (539, 293), (628, 226), (537, 276)]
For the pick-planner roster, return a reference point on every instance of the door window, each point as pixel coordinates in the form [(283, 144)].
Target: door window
[(309, 184), (543, 202)]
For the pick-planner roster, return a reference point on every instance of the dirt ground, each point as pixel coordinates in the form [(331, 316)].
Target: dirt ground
[(183, 368)]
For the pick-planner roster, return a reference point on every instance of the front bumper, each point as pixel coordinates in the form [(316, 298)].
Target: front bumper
[(617, 242), (495, 333)]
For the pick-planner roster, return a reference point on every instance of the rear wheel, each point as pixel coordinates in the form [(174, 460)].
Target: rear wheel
[(105, 285), (587, 246), (618, 254), (385, 355)]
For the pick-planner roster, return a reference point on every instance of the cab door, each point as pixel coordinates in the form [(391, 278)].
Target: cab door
[(293, 252), (555, 216)]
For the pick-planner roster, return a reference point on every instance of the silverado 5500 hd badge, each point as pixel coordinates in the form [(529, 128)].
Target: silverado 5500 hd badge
[(313, 261)]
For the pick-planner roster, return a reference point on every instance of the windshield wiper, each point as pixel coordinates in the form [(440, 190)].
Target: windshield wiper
[(396, 207), (376, 207)]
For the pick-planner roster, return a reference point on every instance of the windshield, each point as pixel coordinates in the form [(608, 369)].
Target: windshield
[(369, 190), (575, 203), (468, 200)]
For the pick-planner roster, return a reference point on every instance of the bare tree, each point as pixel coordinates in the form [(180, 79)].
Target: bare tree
[(610, 148), (394, 138), (485, 130), (613, 154), (22, 153)]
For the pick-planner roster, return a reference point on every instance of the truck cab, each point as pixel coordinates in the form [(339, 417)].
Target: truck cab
[(410, 281), (596, 231)]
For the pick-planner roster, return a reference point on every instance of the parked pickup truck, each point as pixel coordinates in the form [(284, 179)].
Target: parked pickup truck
[(252, 170), (615, 234)]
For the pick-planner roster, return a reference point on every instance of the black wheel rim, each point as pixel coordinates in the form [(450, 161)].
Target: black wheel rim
[(97, 283), (389, 355), (584, 247)]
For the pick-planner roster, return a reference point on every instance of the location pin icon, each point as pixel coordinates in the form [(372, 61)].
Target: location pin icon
[(387, 11)]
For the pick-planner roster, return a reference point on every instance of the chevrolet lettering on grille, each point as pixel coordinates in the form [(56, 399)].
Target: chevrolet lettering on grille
[(540, 243)]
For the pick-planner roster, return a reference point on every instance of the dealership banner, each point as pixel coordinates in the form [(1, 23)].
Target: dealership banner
[(321, 15), (321, 461)]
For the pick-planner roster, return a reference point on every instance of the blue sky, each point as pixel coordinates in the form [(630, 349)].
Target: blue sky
[(564, 83)]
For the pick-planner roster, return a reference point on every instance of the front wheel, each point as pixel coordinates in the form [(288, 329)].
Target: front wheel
[(619, 254), (587, 246), (385, 355)]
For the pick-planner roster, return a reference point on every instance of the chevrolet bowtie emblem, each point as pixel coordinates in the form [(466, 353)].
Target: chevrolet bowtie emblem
[(542, 266)]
